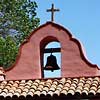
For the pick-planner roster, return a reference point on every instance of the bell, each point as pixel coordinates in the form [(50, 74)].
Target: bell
[(51, 63)]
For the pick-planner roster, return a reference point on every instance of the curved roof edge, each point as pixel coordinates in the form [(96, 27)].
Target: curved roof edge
[(71, 38)]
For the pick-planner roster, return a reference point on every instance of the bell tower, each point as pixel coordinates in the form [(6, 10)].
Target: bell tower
[(30, 60)]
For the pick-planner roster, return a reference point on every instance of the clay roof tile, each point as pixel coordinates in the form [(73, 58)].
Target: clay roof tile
[(50, 87)]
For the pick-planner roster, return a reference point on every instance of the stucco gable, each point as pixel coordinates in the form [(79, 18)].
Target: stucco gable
[(73, 61)]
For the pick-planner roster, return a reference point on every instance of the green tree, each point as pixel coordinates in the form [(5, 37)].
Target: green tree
[(8, 51), (18, 18)]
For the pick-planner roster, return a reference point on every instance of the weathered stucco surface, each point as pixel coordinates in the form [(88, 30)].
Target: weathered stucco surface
[(73, 62)]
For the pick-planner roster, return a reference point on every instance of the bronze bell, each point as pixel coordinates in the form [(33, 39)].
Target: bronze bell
[(51, 63)]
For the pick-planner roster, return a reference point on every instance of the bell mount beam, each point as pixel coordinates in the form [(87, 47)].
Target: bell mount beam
[(52, 50)]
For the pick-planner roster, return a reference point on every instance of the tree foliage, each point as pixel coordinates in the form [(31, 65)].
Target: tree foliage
[(8, 51), (17, 19)]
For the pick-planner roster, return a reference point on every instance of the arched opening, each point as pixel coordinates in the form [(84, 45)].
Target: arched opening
[(57, 54), (46, 45)]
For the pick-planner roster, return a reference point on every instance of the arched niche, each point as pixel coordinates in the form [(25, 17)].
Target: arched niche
[(50, 43)]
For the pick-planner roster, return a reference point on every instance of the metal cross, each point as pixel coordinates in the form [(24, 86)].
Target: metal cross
[(52, 10)]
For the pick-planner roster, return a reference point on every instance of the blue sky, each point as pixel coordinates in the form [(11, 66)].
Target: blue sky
[(81, 18)]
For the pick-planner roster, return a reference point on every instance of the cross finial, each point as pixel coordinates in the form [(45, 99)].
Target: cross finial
[(52, 10)]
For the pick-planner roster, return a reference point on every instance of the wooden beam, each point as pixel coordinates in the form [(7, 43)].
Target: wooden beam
[(52, 50)]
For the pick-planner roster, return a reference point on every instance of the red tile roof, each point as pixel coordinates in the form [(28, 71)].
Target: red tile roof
[(62, 87)]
